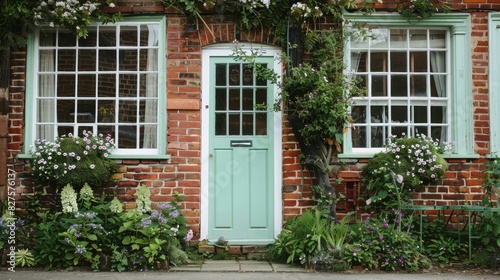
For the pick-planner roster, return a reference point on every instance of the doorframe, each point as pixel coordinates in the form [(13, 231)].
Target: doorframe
[(225, 50)]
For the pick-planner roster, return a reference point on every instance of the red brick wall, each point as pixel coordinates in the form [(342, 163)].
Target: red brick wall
[(185, 39)]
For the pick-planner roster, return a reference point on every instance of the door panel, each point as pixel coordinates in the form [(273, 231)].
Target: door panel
[(241, 190)]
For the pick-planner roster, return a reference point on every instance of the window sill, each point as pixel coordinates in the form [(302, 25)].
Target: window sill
[(162, 157), (446, 156)]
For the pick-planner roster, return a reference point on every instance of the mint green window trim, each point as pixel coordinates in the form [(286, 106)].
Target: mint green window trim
[(31, 90), (494, 83), (461, 85)]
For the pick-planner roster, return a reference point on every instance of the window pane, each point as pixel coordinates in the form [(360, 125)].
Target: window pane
[(358, 114), (127, 111), (379, 85), (106, 111), (234, 74), (86, 111), (418, 85), (438, 85), (438, 114), (261, 97), (378, 136), (128, 60), (378, 62), (420, 114), (234, 99), (398, 62), (247, 75), (128, 85), (220, 74), (248, 104), (86, 85), (399, 38), (418, 61), (379, 114), (399, 114), (66, 39), (437, 38), (66, 60), (220, 124), (418, 38), (127, 137), (66, 111), (128, 36), (107, 85), (147, 111), (45, 110), (148, 86), (399, 85), (261, 124), (261, 81), (234, 124), (65, 85), (87, 60), (220, 99), (359, 137), (247, 124)]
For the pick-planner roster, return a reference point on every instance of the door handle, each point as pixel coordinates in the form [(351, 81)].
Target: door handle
[(241, 143)]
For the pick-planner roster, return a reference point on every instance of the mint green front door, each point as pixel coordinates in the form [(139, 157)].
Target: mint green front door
[(241, 174)]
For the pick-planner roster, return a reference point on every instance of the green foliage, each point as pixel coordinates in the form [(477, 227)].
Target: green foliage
[(64, 161), (49, 248), (444, 250), (422, 9), (75, 15), (376, 244), (407, 164), (24, 257), (19, 16), (489, 230), (305, 237), (491, 182), (98, 233), (278, 16)]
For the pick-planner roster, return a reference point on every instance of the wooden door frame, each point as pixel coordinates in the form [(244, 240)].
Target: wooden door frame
[(224, 50)]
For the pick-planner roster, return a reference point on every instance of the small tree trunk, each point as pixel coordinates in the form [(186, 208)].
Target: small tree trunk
[(314, 159)]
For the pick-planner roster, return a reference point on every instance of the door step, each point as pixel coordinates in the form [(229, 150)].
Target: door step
[(242, 252)]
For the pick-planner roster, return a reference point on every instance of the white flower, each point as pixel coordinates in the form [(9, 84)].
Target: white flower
[(68, 199), (111, 5)]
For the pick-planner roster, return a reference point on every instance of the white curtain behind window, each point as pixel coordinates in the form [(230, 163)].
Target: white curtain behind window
[(46, 93), (151, 89), (438, 66)]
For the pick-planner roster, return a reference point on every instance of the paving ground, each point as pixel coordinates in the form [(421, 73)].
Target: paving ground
[(243, 270)]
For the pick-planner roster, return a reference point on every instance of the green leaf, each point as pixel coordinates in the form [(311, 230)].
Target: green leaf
[(92, 237), (126, 240)]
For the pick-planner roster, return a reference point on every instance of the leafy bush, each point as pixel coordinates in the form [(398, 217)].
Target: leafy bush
[(406, 164), (304, 240), (376, 244), (63, 161), (96, 232)]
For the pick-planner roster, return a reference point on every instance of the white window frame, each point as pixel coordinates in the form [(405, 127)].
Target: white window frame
[(32, 91), (460, 90)]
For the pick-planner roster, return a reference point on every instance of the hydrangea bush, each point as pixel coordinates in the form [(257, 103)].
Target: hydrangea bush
[(73, 160)]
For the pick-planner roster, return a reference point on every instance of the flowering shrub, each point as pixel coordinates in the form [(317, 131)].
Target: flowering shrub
[(406, 164), (73, 14), (422, 9), (73, 160), (100, 233), (379, 244)]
